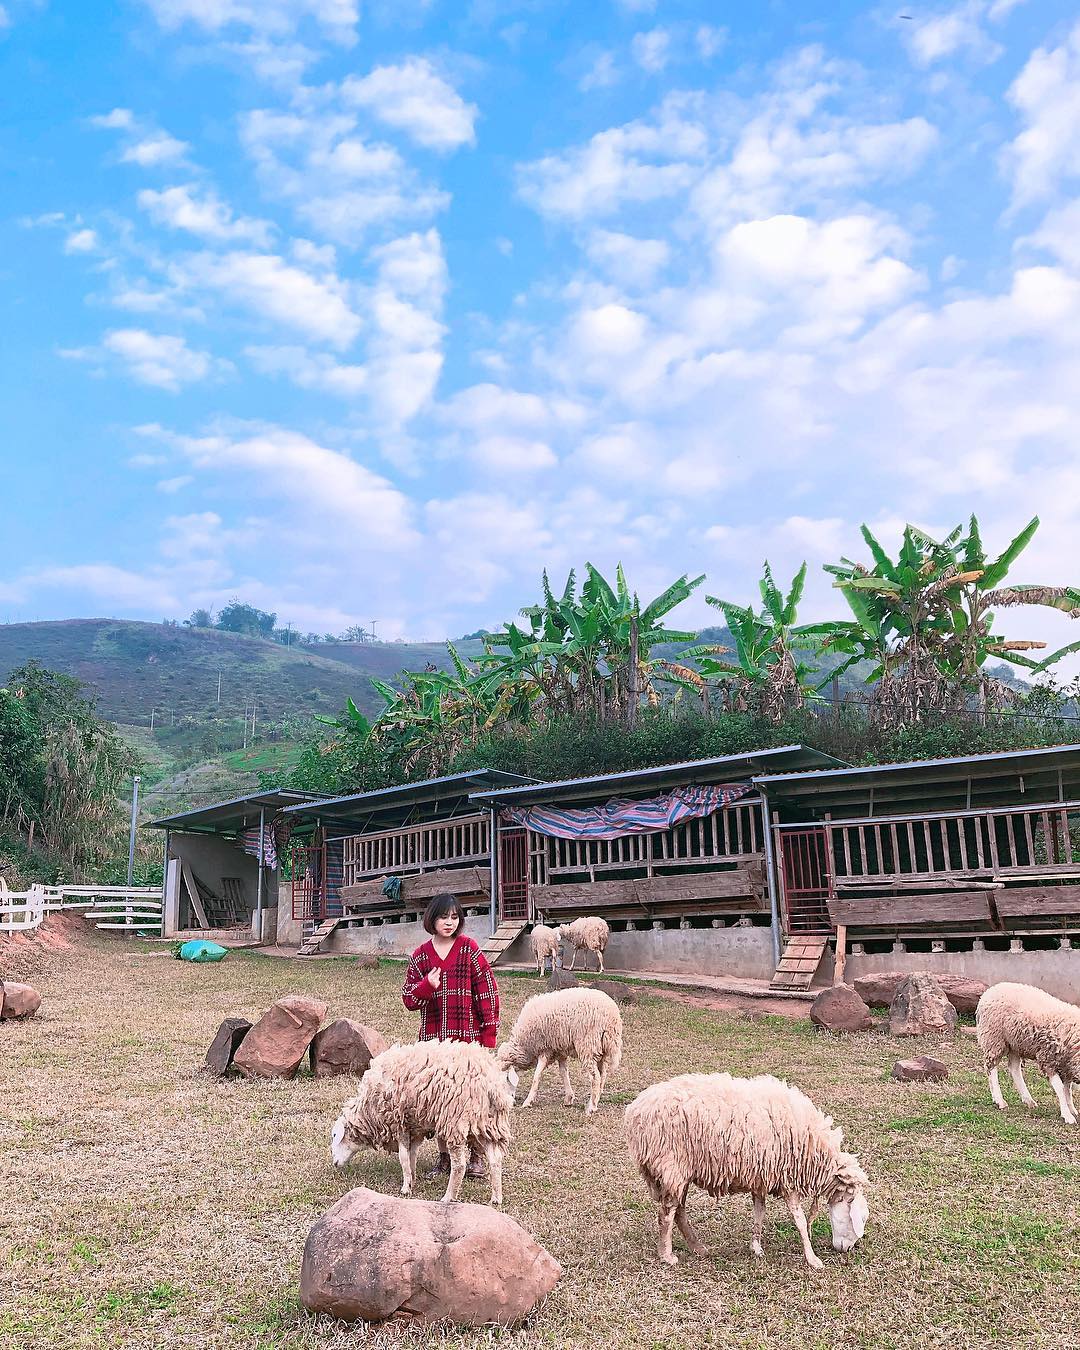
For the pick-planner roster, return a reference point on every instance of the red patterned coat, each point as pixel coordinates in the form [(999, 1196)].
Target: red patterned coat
[(465, 1007)]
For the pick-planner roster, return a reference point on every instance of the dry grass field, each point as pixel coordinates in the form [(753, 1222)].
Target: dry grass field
[(144, 1204)]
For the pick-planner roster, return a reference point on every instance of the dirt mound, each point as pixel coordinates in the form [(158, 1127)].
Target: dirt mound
[(23, 953)]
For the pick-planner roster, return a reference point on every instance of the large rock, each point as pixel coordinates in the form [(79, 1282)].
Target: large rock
[(345, 1047), (616, 989), (373, 1255), (923, 1069), (276, 1044), (225, 1044), (562, 979), (840, 1009), (879, 989), (18, 1000), (920, 1008)]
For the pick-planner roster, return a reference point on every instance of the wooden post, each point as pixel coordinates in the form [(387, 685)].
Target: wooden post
[(841, 953), (634, 691)]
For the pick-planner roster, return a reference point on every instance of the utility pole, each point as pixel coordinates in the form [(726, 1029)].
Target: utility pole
[(373, 623), (253, 721), (131, 836), (152, 713), (219, 688)]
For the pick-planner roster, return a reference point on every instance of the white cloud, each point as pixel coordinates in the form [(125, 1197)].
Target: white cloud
[(1046, 95), (632, 261), (264, 283), (171, 485), (311, 370), (652, 50), (156, 359), (1059, 234), (144, 145), (120, 119), (203, 213), (270, 18), (937, 36), (513, 454), (486, 406), (602, 74), (414, 98), (81, 241), (709, 39)]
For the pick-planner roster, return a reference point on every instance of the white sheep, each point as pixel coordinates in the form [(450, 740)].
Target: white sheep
[(584, 1023), (744, 1135), (447, 1088), (1026, 1023), (545, 942), (589, 934)]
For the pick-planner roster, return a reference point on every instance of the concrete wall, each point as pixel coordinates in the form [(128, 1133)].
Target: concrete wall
[(393, 939), (290, 931), (1057, 971), (211, 857)]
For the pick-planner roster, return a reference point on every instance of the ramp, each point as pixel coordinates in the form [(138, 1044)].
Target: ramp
[(315, 939), (800, 961), (502, 938)]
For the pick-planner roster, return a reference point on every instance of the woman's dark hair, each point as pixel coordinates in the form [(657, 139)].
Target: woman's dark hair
[(440, 906)]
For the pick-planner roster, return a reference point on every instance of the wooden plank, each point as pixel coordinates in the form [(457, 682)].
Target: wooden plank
[(702, 885), (913, 911), (193, 892), (1016, 902)]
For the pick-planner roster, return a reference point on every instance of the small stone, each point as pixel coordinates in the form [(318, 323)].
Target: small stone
[(920, 1008), (18, 1000), (923, 1069), (840, 1009), (366, 961), (225, 1044), (274, 1047), (562, 979), (372, 1256), (344, 1047)]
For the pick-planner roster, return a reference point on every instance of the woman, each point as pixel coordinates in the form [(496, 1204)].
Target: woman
[(449, 982)]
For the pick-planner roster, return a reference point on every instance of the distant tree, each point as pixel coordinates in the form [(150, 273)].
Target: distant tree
[(356, 633), (200, 618), (237, 617)]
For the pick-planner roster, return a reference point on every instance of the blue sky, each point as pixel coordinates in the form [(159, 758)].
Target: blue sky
[(374, 310)]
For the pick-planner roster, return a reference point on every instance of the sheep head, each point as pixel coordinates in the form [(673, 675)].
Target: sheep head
[(848, 1206)]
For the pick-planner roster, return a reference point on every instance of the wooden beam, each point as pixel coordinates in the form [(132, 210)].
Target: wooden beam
[(193, 892)]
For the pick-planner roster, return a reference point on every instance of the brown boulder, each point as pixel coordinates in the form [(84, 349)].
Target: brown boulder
[(562, 979), (840, 1009), (879, 989), (371, 1256), (345, 1046), (366, 961), (18, 1000), (924, 1069), (920, 1008), (616, 989), (225, 1044), (274, 1047)]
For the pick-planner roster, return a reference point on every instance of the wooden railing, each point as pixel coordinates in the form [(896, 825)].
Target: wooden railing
[(731, 834), (417, 848), (1000, 841), (133, 909)]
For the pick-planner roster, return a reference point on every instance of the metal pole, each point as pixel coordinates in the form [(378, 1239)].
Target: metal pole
[(770, 875), (494, 842), (131, 836), (259, 887)]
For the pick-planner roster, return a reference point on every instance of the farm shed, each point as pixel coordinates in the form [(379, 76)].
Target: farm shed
[(373, 860), (674, 857), (222, 865), (967, 865)]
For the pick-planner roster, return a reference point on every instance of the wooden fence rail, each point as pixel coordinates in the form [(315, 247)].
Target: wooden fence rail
[(131, 909)]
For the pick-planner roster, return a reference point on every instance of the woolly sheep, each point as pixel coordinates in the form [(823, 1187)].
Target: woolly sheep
[(447, 1088), (589, 934), (585, 1023), (1026, 1023), (545, 942), (743, 1135)]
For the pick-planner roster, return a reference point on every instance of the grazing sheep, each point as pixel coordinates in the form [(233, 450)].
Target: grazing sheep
[(1026, 1023), (589, 934), (585, 1023), (447, 1088), (545, 942), (744, 1135)]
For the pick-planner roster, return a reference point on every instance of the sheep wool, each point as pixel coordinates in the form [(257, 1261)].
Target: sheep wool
[(584, 1024), (451, 1089), (1023, 1022), (545, 942), (743, 1135), (589, 934)]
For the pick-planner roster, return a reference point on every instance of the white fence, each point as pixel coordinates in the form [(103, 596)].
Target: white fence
[(127, 909)]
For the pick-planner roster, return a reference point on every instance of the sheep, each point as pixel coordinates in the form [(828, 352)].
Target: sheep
[(1026, 1023), (450, 1089), (588, 934), (585, 1023), (737, 1135), (545, 942)]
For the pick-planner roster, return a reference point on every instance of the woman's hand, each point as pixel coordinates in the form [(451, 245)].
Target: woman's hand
[(434, 977)]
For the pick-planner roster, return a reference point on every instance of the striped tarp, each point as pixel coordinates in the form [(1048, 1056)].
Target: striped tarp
[(623, 815)]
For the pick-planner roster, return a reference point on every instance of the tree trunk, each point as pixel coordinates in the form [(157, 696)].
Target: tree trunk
[(633, 696)]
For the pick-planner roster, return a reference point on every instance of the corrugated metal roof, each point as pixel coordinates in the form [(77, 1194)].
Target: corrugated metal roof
[(231, 814), (359, 803), (692, 770)]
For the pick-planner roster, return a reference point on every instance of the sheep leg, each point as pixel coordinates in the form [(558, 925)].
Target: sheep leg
[(756, 1246), (995, 1087), (494, 1156), (1067, 1113), (573, 963), (794, 1204), (665, 1220), (459, 1160), (689, 1236), (541, 1065), (595, 1084), (567, 1086), (405, 1157), (1016, 1071)]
